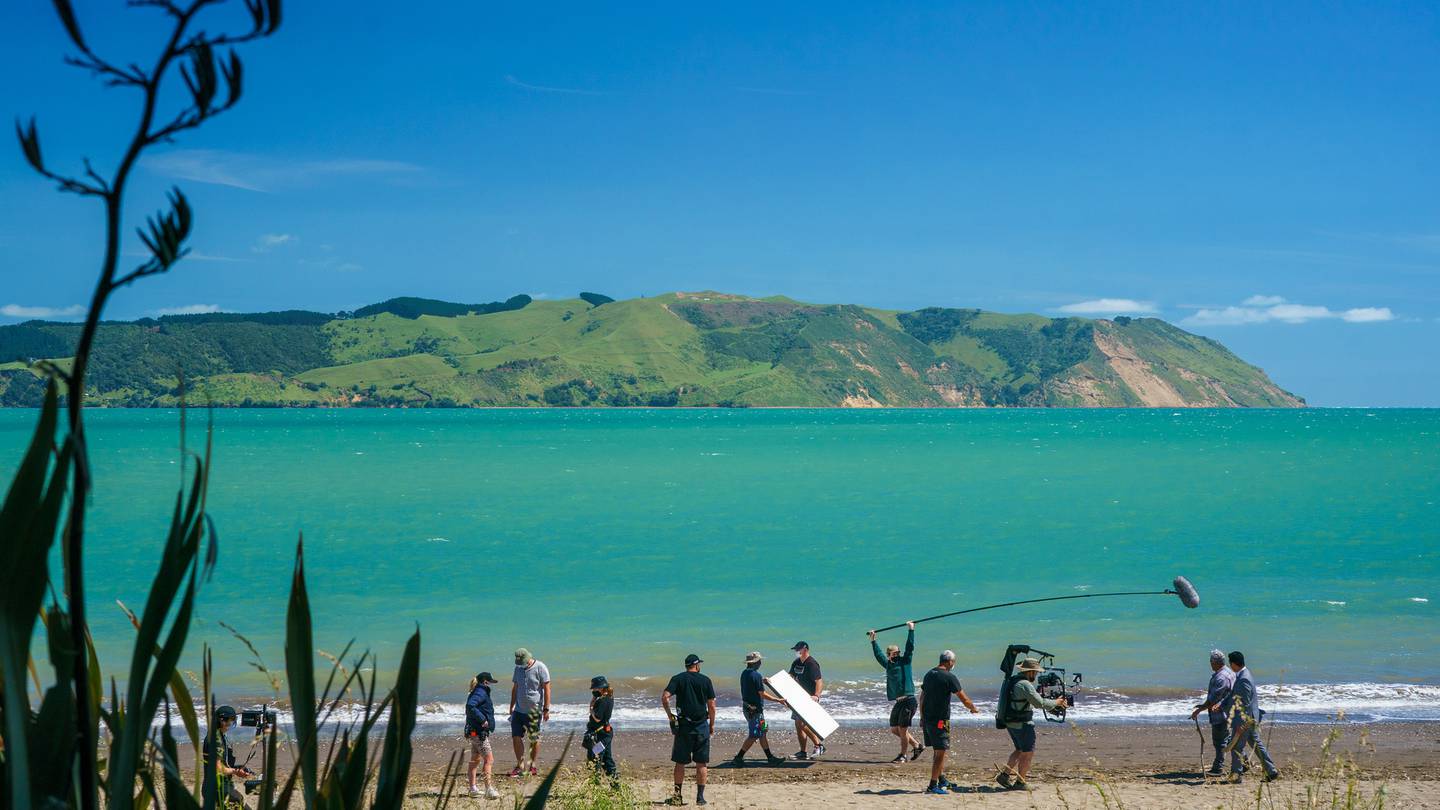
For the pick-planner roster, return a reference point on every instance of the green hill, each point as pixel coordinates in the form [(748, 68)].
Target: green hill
[(694, 349)]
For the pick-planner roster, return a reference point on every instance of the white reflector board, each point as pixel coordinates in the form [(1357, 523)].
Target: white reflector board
[(800, 701)]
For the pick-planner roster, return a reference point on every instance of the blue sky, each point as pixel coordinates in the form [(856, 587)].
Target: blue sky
[(1265, 174)]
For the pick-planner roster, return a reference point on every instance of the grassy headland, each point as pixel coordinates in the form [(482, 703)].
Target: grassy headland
[(686, 349)]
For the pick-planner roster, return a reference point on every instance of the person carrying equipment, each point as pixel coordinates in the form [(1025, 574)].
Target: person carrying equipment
[(1016, 713), (753, 695), (900, 690)]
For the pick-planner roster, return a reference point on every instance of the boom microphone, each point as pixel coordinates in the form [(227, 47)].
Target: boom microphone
[(1189, 597)]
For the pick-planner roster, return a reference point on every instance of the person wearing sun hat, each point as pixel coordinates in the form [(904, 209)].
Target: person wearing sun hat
[(1017, 711), (753, 695)]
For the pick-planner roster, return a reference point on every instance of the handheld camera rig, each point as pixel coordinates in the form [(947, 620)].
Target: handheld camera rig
[(262, 720), (1051, 683)]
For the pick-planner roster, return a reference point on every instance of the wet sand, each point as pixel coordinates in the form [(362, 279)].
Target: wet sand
[(1079, 766)]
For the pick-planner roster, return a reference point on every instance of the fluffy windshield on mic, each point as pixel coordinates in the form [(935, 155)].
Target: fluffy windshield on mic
[(1188, 596)]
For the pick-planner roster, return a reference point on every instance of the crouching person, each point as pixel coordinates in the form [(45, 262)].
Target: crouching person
[(1018, 701)]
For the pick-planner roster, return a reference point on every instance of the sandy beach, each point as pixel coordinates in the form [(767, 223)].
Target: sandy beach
[(1152, 766)]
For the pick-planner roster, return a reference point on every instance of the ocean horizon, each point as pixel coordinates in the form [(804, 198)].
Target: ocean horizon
[(616, 541)]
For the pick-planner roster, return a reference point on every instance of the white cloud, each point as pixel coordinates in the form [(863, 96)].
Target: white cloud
[(189, 309), (262, 173), (1368, 314), (1274, 309), (22, 311), (269, 241), (1109, 306), (1263, 301)]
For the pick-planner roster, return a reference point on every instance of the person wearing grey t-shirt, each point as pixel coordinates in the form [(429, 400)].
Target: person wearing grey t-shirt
[(529, 707)]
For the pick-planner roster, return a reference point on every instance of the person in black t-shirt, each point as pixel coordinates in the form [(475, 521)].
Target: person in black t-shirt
[(692, 722), (599, 741), (935, 691), (806, 672)]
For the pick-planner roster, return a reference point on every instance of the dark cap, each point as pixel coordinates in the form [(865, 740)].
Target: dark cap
[(692, 659), (225, 713), (485, 677), (599, 682), (800, 645)]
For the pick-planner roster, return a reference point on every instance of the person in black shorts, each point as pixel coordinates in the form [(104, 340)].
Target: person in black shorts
[(900, 688), (806, 672), (935, 691), (692, 722)]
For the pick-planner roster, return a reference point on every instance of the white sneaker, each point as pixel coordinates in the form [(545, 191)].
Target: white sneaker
[(491, 793), (474, 791)]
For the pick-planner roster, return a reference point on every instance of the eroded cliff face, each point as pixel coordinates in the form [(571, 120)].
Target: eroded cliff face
[(1126, 370)]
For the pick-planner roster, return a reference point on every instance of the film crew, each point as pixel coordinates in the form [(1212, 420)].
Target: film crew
[(692, 723), (599, 740), (900, 690), (479, 726), (935, 692), (529, 707), (1245, 717), (753, 695), (1217, 705), (806, 672), (220, 768), (1016, 710)]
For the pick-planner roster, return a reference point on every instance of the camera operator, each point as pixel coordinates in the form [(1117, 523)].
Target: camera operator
[(220, 767), (1017, 708)]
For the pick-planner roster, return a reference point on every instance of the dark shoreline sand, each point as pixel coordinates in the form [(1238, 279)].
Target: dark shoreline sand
[(1143, 766)]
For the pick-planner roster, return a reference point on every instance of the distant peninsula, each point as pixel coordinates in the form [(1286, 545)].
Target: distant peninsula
[(680, 349)]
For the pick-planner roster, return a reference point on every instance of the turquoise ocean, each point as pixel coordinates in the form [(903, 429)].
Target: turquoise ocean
[(616, 541)]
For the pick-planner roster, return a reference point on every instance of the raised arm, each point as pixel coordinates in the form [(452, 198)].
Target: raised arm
[(909, 641), (875, 649)]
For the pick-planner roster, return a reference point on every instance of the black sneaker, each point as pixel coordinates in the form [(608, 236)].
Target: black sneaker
[(801, 755), (774, 760), (898, 760), (1003, 779), (918, 750), (737, 761), (1271, 777)]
